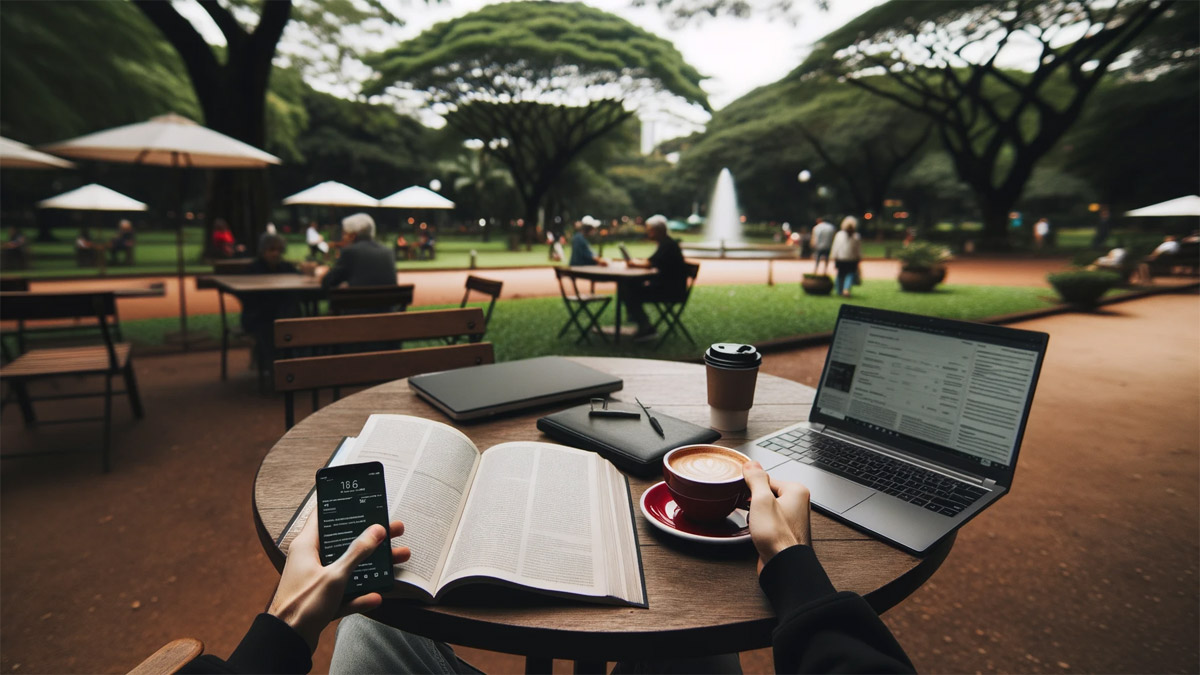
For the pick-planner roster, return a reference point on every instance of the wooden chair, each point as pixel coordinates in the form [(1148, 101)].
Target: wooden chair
[(170, 658), (487, 287), (337, 370), (578, 304), (670, 312), (109, 360), (232, 265), (363, 299)]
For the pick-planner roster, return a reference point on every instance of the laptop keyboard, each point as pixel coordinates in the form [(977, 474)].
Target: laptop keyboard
[(917, 486)]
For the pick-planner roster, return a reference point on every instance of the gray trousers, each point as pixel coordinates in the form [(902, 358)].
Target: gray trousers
[(366, 646)]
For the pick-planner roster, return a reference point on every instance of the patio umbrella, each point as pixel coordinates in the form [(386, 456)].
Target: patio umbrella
[(14, 155), (168, 140), (92, 198), (416, 197), (1180, 206), (332, 193)]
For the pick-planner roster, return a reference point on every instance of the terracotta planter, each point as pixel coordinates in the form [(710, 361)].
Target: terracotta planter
[(817, 285), (920, 279)]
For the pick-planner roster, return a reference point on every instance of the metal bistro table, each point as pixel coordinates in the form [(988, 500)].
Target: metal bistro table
[(307, 288), (623, 276), (702, 600)]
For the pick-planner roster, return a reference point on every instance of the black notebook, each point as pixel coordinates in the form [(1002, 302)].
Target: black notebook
[(630, 443)]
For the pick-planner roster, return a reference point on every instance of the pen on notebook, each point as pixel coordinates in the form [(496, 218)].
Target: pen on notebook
[(653, 422)]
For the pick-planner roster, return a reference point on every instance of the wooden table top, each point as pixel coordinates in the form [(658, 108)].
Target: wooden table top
[(250, 283), (701, 599), (615, 272)]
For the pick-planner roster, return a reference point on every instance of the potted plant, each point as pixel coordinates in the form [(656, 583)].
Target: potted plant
[(817, 284), (1083, 287), (922, 266)]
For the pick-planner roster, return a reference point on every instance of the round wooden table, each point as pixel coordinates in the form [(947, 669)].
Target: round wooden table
[(703, 600)]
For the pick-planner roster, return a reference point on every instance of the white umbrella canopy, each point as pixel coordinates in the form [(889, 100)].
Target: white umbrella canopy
[(416, 197), (332, 193), (166, 140), (1180, 206), (92, 198), (14, 155)]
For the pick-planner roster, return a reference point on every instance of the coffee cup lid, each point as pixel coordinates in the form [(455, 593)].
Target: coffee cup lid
[(732, 355)]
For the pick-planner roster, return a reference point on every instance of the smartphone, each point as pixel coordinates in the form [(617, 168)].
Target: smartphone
[(351, 498)]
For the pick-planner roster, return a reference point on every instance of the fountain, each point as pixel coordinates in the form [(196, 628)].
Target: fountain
[(723, 230), (724, 222)]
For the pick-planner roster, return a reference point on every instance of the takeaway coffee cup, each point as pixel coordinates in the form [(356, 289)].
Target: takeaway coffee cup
[(732, 372), (706, 480)]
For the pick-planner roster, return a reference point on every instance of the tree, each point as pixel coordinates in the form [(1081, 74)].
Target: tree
[(231, 83), (946, 62), (537, 82)]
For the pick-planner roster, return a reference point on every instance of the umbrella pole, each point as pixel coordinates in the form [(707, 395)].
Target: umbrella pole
[(182, 337)]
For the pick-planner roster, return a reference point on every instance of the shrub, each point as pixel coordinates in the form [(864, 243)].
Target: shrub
[(1083, 287), (922, 255)]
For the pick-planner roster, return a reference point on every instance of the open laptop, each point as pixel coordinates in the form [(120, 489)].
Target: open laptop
[(916, 424), (625, 253)]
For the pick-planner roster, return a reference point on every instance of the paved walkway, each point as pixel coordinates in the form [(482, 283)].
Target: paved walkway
[(1089, 565), (446, 286)]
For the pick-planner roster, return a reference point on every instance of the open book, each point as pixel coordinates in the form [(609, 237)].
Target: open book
[(534, 515)]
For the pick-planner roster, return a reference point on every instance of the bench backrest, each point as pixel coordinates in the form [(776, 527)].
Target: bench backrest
[(358, 298)]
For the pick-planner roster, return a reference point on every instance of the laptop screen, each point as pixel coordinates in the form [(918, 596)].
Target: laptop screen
[(954, 391)]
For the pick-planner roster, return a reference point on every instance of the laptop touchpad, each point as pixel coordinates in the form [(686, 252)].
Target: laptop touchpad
[(829, 491)]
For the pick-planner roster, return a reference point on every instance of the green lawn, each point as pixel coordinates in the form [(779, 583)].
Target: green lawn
[(527, 327)]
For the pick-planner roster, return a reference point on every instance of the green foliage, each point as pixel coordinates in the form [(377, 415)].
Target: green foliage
[(508, 50), (922, 255), (71, 67), (1083, 287)]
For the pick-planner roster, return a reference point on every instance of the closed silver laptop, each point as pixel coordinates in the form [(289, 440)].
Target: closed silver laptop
[(916, 425)]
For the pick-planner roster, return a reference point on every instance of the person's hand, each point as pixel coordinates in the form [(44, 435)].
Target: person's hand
[(310, 595), (603, 262), (779, 513)]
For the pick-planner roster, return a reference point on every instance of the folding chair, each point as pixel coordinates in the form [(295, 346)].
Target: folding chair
[(110, 359), (337, 370), (670, 312), (367, 299), (487, 287), (577, 304)]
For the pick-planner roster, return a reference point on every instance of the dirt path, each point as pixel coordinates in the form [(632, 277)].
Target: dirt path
[(1090, 565), (441, 287)]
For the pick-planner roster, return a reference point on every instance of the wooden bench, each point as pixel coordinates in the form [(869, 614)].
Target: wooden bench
[(108, 360), (337, 370)]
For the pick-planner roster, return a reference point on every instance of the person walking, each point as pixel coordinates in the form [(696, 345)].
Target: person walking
[(822, 241), (846, 252)]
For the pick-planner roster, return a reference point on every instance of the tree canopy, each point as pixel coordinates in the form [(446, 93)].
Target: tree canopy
[(537, 82), (951, 64)]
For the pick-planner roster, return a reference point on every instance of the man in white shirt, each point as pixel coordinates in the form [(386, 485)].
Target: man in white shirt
[(822, 241)]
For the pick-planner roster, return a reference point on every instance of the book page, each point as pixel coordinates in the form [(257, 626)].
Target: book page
[(428, 467), (533, 518)]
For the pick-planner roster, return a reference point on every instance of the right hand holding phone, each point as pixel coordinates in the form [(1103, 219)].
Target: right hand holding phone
[(311, 595), (779, 513)]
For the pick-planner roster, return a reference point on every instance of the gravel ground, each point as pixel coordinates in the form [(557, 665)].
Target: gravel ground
[(1090, 565)]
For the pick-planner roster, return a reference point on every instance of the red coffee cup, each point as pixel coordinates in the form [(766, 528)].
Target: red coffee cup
[(706, 481)]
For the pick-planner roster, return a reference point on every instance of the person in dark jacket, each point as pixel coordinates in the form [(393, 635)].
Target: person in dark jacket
[(669, 284), (363, 261), (819, 629), (260, 310)]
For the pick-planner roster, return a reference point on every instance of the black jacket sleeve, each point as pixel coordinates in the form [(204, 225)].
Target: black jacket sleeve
[(821, 630), (270, 646)]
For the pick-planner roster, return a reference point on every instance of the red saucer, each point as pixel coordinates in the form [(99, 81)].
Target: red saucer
[(662, 512)]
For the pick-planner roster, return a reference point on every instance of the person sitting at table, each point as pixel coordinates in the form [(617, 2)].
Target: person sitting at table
[(819, 629), (363, 261), (581, 250), (16, 249), (223, 243), (259, 310), (86, 250), (123, 242), (670, 284), (317, 248)]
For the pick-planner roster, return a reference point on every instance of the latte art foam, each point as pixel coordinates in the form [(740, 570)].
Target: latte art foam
[(707, 466)]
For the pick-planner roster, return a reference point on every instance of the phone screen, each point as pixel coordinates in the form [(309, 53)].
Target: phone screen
[(350, 498)]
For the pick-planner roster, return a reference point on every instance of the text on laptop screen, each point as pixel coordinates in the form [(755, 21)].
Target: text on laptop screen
[(964, 396)]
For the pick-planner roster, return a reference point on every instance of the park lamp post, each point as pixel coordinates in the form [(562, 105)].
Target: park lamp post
[(803, 178)]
